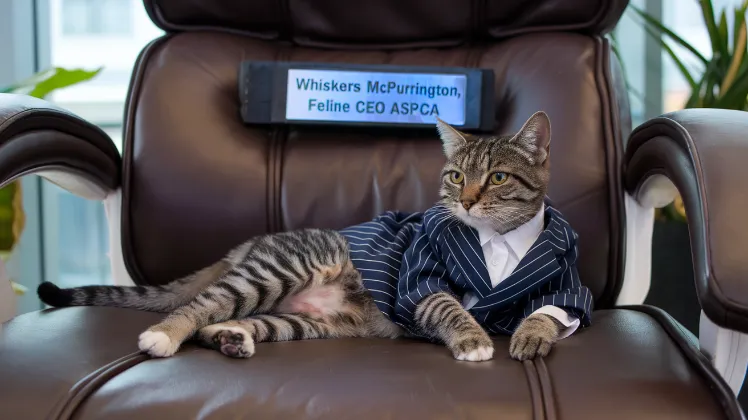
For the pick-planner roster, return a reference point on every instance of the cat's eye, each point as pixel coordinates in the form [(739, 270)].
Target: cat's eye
[(456, 177), (499, 178)]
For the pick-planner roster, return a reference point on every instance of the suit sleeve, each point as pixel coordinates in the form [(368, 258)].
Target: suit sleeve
[(421, 274), (565, 291)]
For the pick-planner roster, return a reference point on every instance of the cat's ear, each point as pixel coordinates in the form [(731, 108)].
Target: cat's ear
[(452, 139), (535, 136)]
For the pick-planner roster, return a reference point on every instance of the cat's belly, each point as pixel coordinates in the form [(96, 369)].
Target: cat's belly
[(316, 301)]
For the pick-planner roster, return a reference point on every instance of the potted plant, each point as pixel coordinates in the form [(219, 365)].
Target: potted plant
[(12, 219)]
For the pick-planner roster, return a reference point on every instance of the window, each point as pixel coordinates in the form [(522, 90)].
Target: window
[(87, 34), (641, 69), (97, 41), (685, 19), (96, 17)]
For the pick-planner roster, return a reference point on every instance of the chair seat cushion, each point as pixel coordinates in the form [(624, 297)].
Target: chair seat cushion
[(84, 363)]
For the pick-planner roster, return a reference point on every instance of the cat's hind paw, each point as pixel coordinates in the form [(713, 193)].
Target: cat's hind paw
[(234, 342)]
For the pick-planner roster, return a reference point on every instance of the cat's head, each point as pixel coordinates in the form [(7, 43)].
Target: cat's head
[(496, 182)]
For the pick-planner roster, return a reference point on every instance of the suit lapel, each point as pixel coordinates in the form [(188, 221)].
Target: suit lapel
[(460, 243), (535, 268)]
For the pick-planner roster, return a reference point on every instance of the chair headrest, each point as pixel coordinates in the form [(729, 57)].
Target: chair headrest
[(385, 24)]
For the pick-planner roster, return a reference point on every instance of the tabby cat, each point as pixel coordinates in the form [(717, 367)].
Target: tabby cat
[(305, 284)]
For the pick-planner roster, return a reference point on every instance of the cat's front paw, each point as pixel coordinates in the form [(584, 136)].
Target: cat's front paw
[(476, 349), (157, 344), (533, 338)]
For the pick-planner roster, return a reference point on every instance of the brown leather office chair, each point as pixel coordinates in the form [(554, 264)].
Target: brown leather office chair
[(194, 180)]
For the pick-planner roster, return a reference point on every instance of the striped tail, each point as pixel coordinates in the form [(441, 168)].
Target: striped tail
[(147, 298)]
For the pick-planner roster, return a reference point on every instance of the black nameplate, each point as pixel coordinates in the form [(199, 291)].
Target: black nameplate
[(366, 95)]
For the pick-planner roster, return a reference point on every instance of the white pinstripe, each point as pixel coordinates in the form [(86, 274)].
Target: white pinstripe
[(471, 263), (383, 282), (523, 290), (376, 262), (521, 281), (385, 303), (390, 263), (356, 251)]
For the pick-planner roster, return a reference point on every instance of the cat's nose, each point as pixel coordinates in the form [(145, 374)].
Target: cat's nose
[(466, 204)]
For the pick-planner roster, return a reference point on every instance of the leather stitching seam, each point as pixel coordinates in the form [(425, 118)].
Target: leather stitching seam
[(86, 386), (536, 397), (614, 165), (546, 389)]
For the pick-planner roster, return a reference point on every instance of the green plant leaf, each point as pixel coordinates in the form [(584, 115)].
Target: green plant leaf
[(738, 19), (7, 89), (649, 20), (736, 96), (713, 79), (711, 72), (718, 46), (722, 31), (678, 63), (61, 78)]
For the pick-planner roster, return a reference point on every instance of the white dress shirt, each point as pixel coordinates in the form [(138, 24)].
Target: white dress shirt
[(503, 253)]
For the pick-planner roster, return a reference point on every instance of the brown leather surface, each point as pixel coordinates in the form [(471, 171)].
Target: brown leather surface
[(36, 135), (182, 161), (333, 379), (612, 129), (196, 181), (704, 152), (386, 24), (626, 366), (45, 357), (621, 98)]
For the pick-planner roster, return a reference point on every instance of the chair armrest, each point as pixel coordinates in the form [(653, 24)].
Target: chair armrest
[(37, 137), (704, 152)]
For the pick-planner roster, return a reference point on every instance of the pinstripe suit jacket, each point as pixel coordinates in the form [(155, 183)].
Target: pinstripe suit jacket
[(404, 257)]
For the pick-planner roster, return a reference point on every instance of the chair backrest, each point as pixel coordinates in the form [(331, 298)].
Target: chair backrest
[(198, 181)]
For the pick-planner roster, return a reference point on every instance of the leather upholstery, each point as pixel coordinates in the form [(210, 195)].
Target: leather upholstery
[(704, 153), (378, 24), (273, 179), (627, 366), (38, 137), (195, 181)]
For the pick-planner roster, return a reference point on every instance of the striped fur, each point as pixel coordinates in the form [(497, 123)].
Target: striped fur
[(147, 298), (305, 279), (441, 315), (534, 337), (303, 284), (524, 158)]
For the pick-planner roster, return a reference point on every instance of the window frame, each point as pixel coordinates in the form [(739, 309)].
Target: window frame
[(19, 21)]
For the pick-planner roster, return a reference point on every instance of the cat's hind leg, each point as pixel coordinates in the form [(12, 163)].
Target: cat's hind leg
[(238, 338), (275, 268), (228, 297)]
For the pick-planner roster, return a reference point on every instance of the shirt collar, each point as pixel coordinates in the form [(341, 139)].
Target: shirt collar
[(520, 239)]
